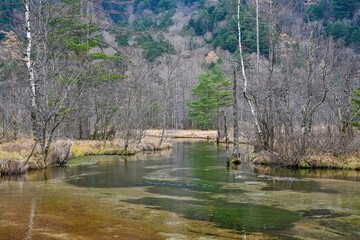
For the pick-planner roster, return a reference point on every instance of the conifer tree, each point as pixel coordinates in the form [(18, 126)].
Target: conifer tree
[(211, 93), (343, 9), (356, 108)]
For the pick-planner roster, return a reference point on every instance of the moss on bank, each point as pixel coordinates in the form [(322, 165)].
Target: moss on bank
[(327, 161)]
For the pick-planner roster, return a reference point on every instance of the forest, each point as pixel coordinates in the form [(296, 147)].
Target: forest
[(281, 75)]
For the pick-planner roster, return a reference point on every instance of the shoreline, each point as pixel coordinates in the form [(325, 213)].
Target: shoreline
[(13, 154), (314, 161)]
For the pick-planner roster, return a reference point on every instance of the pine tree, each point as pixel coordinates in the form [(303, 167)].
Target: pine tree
[(7, 8), (211, 93), (356, 108), (343, 9)]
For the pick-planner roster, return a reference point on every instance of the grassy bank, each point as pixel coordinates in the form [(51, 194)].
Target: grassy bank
[(314, 161), (198, 134), (193, 134), (13, 155), (326, 161), (87, 148)]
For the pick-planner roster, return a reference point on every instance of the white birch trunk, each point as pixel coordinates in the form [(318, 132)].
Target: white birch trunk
[(28, 54), (257, 39), (27, 59), (251, 106)]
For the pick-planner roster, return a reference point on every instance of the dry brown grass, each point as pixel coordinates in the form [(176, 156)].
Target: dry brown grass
[(153, 144), (314, 161), (19, 150), (60, 152), (86, 148), (11, 167), (329, 161), (208, 134), (14, 154)]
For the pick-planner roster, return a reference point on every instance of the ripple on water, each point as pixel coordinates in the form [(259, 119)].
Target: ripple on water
[(277, 178)]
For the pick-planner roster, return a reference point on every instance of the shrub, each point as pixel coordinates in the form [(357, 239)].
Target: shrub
[(59, 153), (9, 167)]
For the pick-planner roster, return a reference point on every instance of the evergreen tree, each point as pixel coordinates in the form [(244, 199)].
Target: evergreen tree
[(154, 48), (7, 8), (315, 12), (211, 93), (356, 108), (344, 9)]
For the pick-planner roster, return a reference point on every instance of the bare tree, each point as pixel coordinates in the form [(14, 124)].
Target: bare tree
[(51, 59), (169, 74), (236, 151), (137, 103), (245, 79), (29, 64)]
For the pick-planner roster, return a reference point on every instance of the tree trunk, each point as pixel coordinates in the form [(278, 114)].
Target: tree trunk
[(257, 40), (14, 110), (163, 129), (248, 100), (236, 152), (27, 59), (226, 132)]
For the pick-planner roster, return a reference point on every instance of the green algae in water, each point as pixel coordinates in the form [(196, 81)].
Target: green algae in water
[(235, 216), (198, 172)]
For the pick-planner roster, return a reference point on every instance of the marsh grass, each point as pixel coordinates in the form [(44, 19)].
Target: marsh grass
[(19, 150), (329, 161), (86, 148), (152, 144), (13, 155), (60, 152), (11, 167), (208, 134), (312, 161)]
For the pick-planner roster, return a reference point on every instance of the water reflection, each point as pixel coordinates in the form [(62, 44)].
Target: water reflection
[(198, 171), (192, 181)]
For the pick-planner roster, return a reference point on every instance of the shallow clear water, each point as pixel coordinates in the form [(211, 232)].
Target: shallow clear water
[(185, 193)]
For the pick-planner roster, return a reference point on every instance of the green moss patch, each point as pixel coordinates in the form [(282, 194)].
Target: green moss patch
[(235, 216)]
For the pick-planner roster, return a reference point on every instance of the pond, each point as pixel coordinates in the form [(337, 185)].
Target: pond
[(184, 193)]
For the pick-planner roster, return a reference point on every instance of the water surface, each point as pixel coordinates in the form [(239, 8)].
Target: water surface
[(185, 193)]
